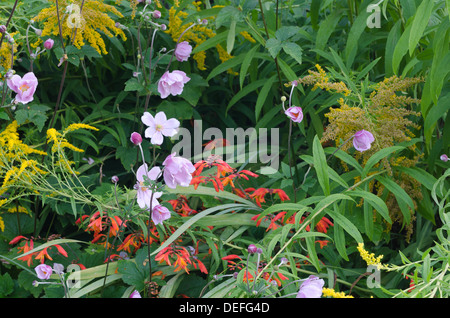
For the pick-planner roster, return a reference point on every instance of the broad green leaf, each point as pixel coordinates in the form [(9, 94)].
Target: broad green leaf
[(326, 28), (357, 29), (294, 50), (286, 32), (419, 23), (273, 45), (401, 48)]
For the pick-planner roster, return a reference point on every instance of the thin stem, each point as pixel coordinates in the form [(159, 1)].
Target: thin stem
[(9, 20)]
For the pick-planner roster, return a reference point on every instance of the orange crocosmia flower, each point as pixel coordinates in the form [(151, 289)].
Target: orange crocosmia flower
[(95, 223), (281, 194), (322, 243), (24, 249), (116, 223), (323, 224), (132, 240)]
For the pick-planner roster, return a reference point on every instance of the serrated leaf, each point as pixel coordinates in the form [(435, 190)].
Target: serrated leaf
[(294, 50), (273, 46), (286, 32)]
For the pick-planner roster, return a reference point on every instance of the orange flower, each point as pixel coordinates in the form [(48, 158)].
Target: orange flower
[(132, 240), (182, 258), (323, 224)]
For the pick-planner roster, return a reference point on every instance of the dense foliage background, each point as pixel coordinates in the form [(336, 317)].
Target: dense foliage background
[(328, 210)]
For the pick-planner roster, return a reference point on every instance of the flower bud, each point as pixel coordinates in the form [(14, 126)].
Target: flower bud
[(156, 14), (48, 44), (115, 179), (163, 27), (252, 249), (2, 28), (136, 138)]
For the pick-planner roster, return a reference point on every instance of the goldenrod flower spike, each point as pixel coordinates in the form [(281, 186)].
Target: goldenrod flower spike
[(369, 258)]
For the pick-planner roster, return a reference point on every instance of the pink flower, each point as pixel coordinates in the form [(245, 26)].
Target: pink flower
[(444, 157), (156, 14), (24, 86), (136, 138), (43, 271), (135, 294), (159, 126), (160, 213), (295, 113), (172, 83), (183, 51), (48, 44), (177, 171), (145, 197), (311, 288), (362, 140)]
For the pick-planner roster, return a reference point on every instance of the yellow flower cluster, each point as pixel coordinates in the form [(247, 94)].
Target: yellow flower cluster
[(369, 258), (321, 80), (15, 166), (21, 174), (197, 34), (94, 20), (59, 140), (330, 292), (6, 54)]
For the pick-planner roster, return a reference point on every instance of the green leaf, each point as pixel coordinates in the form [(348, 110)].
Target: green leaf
[(176, 109), (6, 285), (403, 199), (374, 201), (132, 274), (320, 165), (419, 23), (262, 96), (231, 36), (133, 85), (245, 91), (376, 157), (273, 45), (35, 114), (326, 28), (294, 50), (246, 63), (286, 32), (348, 226), (400, 50), (357, 29)]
